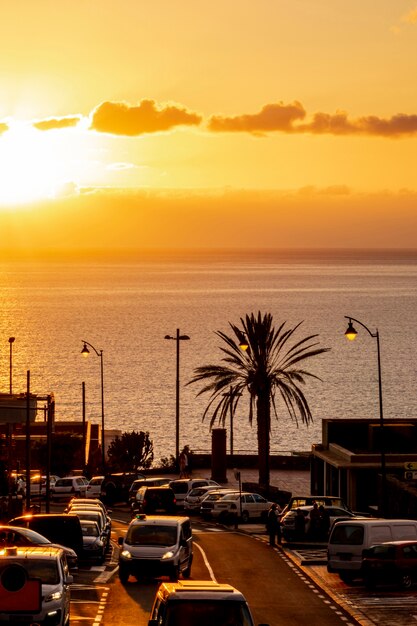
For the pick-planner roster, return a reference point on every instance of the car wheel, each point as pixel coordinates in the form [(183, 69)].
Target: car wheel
[(245, 517), (123, 575), (175, 574), (370, 582), (406, 581), (346, 577)]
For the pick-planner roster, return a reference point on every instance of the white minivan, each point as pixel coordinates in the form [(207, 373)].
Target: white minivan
[(348, 540)]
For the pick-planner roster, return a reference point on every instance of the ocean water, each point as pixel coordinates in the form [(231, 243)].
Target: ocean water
[(126, 307)]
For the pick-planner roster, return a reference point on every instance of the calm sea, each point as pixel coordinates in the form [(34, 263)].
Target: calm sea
[(127, 307)]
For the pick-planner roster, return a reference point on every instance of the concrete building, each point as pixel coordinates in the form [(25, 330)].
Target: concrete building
[(348, 462)]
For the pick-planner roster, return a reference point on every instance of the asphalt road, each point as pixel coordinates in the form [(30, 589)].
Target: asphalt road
[(277, 591)]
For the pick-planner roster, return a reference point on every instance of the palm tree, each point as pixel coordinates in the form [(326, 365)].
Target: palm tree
[(263, 361)]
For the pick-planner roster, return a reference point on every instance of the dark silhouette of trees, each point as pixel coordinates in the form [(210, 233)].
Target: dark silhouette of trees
[(269, 366), (130, 452)]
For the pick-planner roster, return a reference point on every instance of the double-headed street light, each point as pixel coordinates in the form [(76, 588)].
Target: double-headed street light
[(85, 352), (177, 338), (351, 334), (11, 341)]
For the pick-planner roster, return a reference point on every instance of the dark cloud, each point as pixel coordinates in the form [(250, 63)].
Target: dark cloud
[(3, 128), (120, 118), (339, 124), (287, 119), (272, 117), (57, 123)]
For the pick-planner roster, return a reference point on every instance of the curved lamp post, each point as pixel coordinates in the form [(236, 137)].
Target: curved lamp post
[(177, 338), (85, 352), (351, 334)]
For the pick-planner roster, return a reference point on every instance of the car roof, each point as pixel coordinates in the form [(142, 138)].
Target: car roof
[(167, 520), (42, 552), (199, 589)]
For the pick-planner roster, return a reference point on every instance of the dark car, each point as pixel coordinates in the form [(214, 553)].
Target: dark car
[(94, 541), (155, 501), (392, 562), (152, 481), (25, 537), (62, 528), (115, 487)]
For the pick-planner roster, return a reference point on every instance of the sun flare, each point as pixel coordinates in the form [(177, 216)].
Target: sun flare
[(32, 166)]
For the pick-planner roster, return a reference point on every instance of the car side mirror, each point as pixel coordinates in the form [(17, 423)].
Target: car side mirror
[(69, 579)]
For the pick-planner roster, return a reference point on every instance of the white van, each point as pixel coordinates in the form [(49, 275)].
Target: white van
[(156, 546), (348, 540)]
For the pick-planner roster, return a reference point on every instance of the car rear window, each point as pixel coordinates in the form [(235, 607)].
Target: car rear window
[(179, 487), (207, 613), (382, 552), (347, 534)]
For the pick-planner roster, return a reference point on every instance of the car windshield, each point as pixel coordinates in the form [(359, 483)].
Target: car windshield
[(151, 535), (45, 569), (207, 613)]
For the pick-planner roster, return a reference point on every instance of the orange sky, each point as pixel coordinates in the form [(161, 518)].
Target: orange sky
[(207, 124)]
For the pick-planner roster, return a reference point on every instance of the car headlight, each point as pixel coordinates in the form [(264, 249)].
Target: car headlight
[(126, 554), (168, 555), (57, 595)]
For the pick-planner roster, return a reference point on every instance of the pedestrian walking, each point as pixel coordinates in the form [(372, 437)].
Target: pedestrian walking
[(183, 460), (273, 524)]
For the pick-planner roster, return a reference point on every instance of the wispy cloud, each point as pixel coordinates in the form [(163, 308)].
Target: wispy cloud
[(119, 118), (272, 117), (411, 17), (57, 123), (284, 118)]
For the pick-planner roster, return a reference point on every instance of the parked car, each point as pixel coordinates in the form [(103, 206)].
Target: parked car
[(155, 501), (288, 522), (92, 501), (243, 506), (156, 546), (69, 487), (182, 486), (94, 487), (115, 487), (35, 580), (392, 562), (200, 603), (25, 537), (298, 501), (194, 498), (94, 541), (349, 539), (152, 481), (57, 527), (207, 503)]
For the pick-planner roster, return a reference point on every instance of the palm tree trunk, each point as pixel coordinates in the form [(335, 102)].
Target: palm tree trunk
[(263, 416)]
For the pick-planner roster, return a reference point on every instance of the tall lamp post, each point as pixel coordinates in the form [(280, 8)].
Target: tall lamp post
[(177, 338), (351, 333), (85, 352), (11, 340)]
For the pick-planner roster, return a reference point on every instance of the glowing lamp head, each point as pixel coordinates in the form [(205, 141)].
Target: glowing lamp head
[(85, 351), (351, 332)]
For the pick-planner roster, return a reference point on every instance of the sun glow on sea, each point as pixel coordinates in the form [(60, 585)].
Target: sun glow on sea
[(32, 166)]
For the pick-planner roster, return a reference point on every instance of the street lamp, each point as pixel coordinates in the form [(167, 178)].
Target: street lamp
[(177, 338), (11, 340), (85, 352), (351, 334)]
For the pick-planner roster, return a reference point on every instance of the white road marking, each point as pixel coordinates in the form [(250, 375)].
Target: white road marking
[(206, 561)]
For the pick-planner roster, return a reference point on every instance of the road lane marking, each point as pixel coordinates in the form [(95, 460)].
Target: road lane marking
[(206, 561)]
